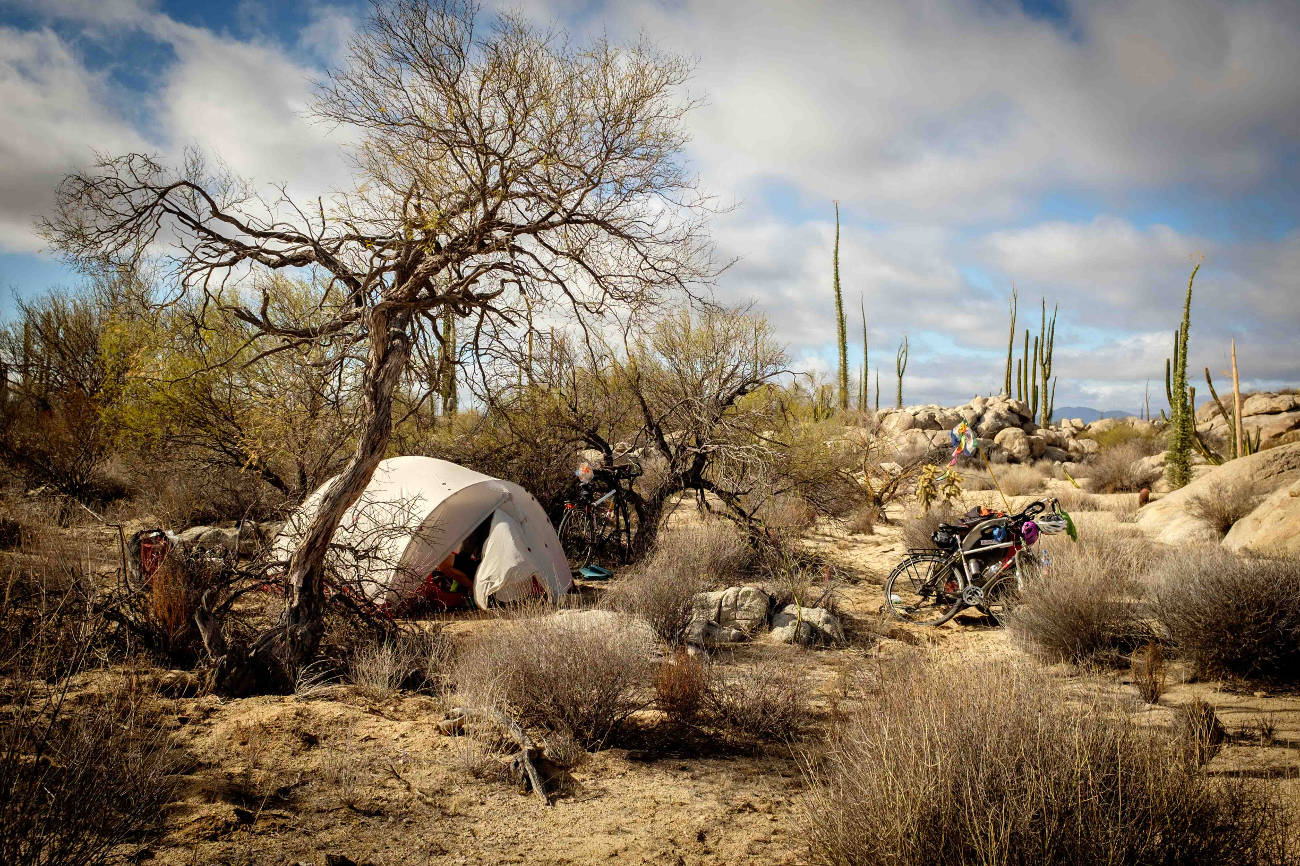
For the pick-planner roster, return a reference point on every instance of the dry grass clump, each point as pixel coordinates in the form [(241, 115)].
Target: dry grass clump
[(412, 659), (1074, 499), (1148, 669), (1224, 504), (1084, 606), (557, 676), (917, 529), (962, 764), (861, 520), (1199, 731), (1231, 615), (1116, 469), (684, 563), (766, 700), (1020, 480), (681, 686)]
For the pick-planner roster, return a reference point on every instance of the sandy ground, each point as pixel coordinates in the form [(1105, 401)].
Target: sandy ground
[(293, 779)]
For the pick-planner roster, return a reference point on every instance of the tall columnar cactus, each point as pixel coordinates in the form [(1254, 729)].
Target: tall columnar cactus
[(900, 364), (840, 324), (1047, 337), (1178, 462), (877, 389), (450, 396), (1011, 341), (862, 396)]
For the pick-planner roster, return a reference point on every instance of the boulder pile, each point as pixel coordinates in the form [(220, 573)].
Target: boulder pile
[(1274, 418)]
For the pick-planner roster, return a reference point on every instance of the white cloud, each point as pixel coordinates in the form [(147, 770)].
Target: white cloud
[(52, 112)]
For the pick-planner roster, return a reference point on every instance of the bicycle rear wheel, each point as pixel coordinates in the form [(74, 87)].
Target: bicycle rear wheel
[(923, 589)]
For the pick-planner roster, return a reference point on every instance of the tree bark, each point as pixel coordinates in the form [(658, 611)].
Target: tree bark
[(273, 661)]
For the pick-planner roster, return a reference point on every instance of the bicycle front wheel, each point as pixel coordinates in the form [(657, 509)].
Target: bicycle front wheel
[(577, 536), (1001, 598), (923, 589)]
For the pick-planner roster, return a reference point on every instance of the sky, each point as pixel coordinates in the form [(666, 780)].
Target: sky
[(1087, 153)]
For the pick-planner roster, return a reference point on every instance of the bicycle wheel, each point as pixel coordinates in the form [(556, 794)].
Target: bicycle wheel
[(923, 589), (1001, 598), (577, 536)]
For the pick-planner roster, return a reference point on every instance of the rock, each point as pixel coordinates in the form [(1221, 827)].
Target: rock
[(1273, 527), (995, 419), (1037, 446), (939, 439), (810, 626), (1269, 404), (1169, 519), (898, 422), (977, 405), (611, 622), (729, 615), (177, 684), (1082, 447), (1056, 455), (1271, 428), (1014, 443), (911, 445)]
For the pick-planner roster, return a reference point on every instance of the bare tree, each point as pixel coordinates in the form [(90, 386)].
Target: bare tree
[(494, 163)]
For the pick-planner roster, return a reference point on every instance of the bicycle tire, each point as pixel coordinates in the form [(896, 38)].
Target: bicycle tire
[(908, 601), (1001, 598), (575, 533)]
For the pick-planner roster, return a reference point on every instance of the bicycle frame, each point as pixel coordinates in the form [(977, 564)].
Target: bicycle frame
[(1014, 547)]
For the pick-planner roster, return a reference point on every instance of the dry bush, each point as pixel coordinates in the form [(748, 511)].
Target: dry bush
[(1020, 480), (77, 777), (557, 676), (765, 700), (986, 763), (1143, 442), (1230, 615), (684, 563), (1074, 499), (1115, 469), (918, 529), (1199, 731), (1224, 504), (1148, 669), (379, 669), (862, 520), (1085, 606), (681, 686), (787, 515)]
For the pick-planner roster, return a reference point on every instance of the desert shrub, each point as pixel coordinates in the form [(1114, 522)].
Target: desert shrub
[(1074, 499), (958, 763), (765, 700), (379, 669), (557, 675), (787, 515), (1224, 504), (1199, 731), (1116, 469), (1143, 441), (683, 563), (918, 529), (1148, 669), (1232, 615), (1085, 605), (681, 686), (862, 520), (1020, 480)]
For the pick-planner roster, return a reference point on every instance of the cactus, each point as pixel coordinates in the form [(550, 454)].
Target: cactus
[(447, 376), (862, 397), (877, 389), (1182, 436), (840, 324), (1011, 341), (1047, 337), (900, 364)]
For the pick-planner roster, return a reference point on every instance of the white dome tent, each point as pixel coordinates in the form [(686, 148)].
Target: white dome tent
[(414, 513)]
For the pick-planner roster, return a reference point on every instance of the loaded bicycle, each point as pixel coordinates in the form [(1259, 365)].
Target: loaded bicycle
[(600, 522), (981, 562)]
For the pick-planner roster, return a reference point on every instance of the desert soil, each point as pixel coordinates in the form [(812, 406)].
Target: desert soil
[(336, 772)]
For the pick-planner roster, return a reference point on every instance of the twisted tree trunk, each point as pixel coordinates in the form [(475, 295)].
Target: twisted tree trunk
[(272, 663)]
